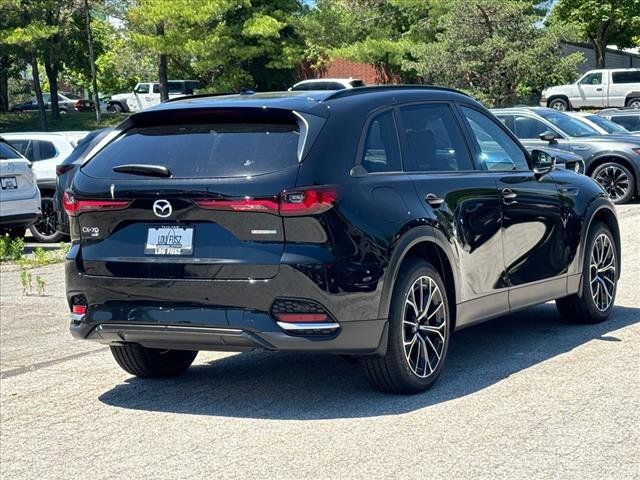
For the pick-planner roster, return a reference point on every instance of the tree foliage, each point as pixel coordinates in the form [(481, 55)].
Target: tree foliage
[(494, 50), (602, 22)]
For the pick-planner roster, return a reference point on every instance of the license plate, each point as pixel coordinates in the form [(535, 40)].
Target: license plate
[(9, 183), (169, 241)]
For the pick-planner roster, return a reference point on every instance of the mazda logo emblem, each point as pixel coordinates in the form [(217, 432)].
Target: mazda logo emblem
[(162, 208)]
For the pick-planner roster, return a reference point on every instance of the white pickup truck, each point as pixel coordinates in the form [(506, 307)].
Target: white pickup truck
[(147, 94), (618, 87)]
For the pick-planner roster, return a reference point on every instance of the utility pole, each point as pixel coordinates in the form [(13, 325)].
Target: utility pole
[(94, 80)]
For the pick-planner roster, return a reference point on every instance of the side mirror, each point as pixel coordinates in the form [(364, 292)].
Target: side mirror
[(548, 136), (542, 162)]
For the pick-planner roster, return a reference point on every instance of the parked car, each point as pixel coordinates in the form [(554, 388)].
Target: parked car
[(67, 170), (626, 117), (611, 160), (327, 84), (619, 87), (67, 103), (19, 194), (371, 222), (147, 94), (600, 124), (45, 150)]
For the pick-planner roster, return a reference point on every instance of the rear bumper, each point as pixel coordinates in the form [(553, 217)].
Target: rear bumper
[(220, 315), (20, 212)]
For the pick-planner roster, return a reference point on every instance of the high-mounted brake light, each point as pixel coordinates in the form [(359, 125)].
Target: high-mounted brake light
[(74, 207), (306, 201)]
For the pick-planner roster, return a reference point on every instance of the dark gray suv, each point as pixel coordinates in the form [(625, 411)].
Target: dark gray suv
[(612, 160)]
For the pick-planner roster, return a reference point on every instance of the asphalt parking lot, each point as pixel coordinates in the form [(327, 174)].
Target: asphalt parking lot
[(524, 396)]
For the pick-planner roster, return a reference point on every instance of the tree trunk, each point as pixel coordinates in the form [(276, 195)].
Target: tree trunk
[(35, 73), (52, 68), (162, 68), (94, 80), (600, 49)]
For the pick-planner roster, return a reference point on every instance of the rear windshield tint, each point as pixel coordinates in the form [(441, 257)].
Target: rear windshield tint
[(202, 150), (7, 153)]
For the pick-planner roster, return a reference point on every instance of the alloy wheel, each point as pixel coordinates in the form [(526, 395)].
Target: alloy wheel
[(602, 272), (424, 326), (47, 225), (614, 180)]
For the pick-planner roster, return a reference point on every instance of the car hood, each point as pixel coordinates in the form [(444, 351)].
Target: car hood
[(631, 140)]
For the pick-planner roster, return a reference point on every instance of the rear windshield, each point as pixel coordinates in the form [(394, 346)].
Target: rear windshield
[(6, 152), (202, 150)]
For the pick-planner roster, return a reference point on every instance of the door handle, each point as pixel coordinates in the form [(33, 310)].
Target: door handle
[(434, 200), (599, 89), (508, 196)]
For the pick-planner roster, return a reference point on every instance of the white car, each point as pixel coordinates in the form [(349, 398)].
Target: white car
[(327, 84), (19, 194), (601, 124), (46, 150), (619, 87)]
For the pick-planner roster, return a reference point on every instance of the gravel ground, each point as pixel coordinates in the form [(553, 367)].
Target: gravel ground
[(524, 396)]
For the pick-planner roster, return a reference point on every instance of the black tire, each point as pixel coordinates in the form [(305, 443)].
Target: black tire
[(617, 180), (560, 104), (150, 362), (45, 230), (582, 307), (115, 108), (633, 102), (393, 373)]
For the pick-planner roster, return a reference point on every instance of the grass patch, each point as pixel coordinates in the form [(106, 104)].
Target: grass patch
[(28, 121), (12, 250)]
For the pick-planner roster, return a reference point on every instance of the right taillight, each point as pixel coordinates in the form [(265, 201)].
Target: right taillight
[(303, 201), (74, 207)]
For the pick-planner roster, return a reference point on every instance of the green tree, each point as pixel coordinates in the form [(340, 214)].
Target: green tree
[(379, 32), (602, 22), (495, 50)]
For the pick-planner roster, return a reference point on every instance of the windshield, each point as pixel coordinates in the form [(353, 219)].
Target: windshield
[(570, 126), (607, 125)]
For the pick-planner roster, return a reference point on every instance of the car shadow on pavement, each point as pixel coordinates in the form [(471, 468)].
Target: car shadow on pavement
[(271, 385)]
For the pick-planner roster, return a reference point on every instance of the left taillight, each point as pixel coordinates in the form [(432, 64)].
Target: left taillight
[(304, 201), (74, 207)]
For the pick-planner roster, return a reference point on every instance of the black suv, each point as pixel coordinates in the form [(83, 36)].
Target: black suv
[(371, 222)]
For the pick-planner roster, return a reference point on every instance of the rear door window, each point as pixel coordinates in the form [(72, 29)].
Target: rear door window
[(434, 142), (202, 150)]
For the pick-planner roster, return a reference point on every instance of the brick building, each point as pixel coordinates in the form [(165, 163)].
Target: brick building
[(341, 68)]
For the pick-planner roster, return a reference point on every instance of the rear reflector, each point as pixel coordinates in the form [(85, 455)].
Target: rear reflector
[(305, 201), (302, 317), (75, 207)]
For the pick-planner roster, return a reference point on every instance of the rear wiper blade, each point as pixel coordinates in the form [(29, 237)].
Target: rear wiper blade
[(142, 169)]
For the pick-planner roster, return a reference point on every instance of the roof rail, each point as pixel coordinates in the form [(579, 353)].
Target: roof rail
[(348, 92)]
